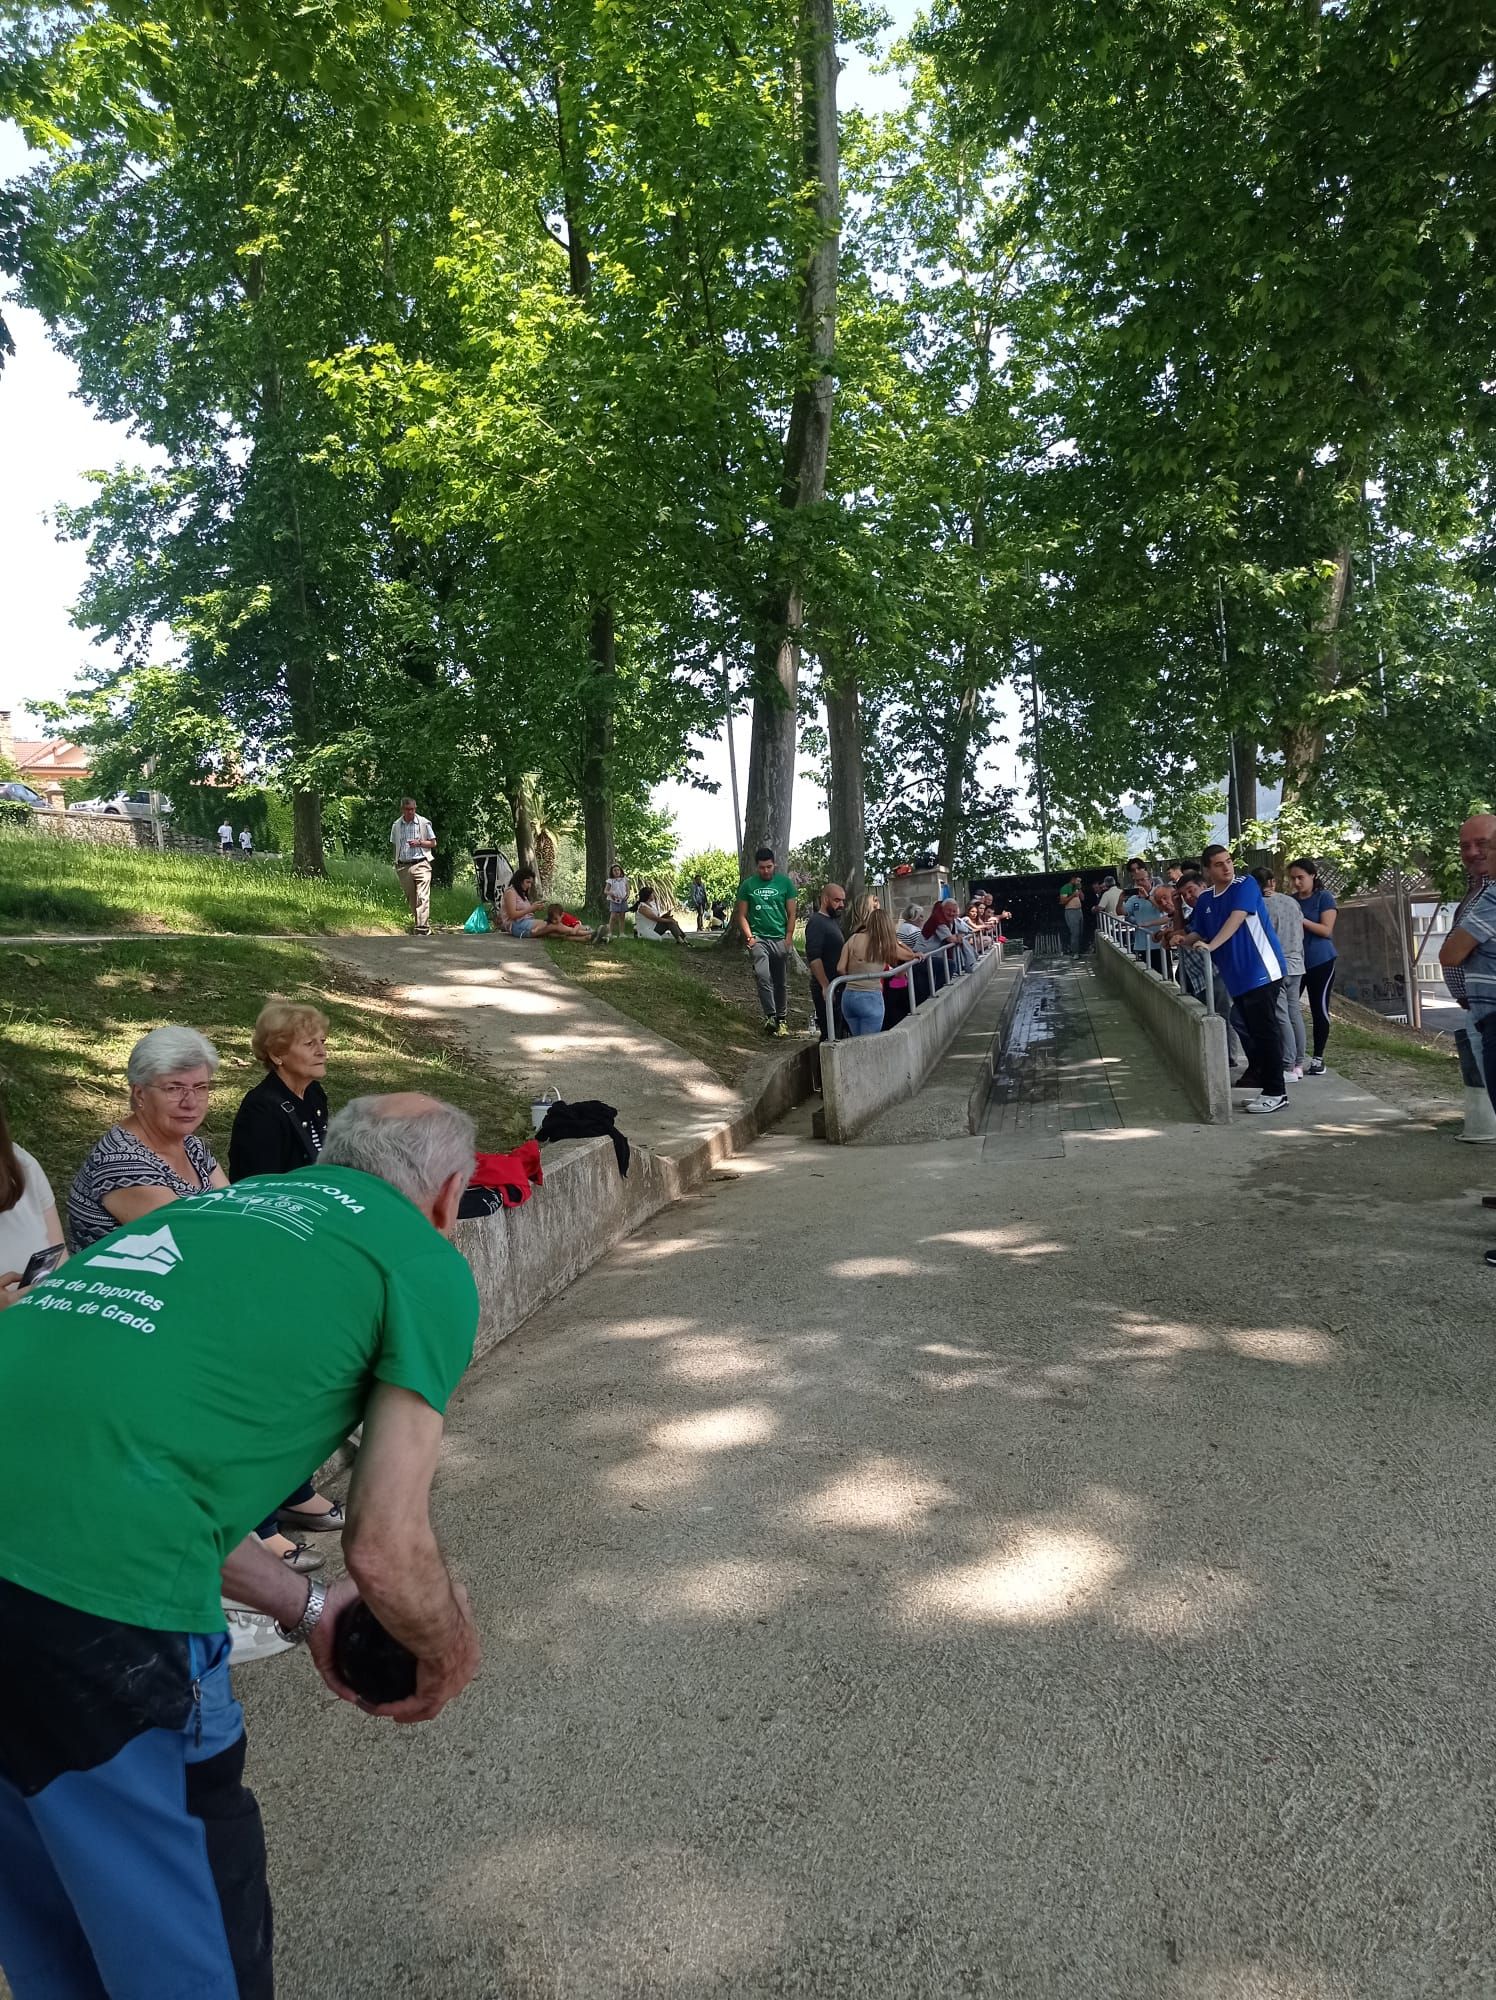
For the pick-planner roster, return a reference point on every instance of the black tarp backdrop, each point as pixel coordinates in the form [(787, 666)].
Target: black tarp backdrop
[(1035, 903)]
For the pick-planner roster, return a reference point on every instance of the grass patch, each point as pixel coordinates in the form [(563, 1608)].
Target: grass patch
[(72, 1013), (698, 997), (51, 884), (1366, 1041)]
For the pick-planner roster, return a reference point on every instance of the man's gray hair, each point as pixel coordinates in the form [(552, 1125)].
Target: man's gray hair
[(914, 913), (166, 1052), (406, 802), (415, 1151)]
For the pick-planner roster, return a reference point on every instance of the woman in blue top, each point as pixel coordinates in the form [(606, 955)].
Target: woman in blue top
[(1318, 976)]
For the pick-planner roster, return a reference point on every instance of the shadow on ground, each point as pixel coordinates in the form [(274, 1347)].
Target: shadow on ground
[(918, 1575)]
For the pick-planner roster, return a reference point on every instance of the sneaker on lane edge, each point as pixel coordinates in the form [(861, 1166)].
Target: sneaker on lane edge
[(252, 1635), (1265, 1103)]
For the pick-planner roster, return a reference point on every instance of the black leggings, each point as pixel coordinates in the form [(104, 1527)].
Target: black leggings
[(1317, 982)]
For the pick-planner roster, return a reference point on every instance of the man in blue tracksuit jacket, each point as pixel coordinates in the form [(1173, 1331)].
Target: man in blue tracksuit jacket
[(1231, 922)]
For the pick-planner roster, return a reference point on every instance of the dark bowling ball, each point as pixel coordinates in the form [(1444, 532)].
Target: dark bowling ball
[(372, 1661)]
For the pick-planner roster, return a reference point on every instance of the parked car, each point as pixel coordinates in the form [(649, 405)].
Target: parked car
[(124, 805), (23, 795)]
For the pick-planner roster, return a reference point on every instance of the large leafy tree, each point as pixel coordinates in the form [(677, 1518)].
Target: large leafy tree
[(1270, 233), (208, 221)]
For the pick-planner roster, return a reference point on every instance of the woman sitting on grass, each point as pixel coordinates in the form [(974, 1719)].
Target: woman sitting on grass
[(524, 918), (650, 921)]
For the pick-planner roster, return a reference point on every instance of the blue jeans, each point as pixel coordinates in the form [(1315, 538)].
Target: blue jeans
[(863, 1009), (132, 1861)]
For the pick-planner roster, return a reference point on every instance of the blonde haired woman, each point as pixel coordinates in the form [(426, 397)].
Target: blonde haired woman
[(281, 1123), (280, 1126), (874, 948)]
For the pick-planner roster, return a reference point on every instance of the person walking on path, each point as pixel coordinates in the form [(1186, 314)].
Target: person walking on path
[(132, 1857), (225, 839), (1072, 902), (823, 950), (765, 916), (696, 900), (1317, 908), (246, 843), (1231, 922), (1288, 924), (414, 843)]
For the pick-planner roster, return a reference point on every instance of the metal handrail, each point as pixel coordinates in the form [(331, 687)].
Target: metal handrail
[(1120, 932), (905, 969)]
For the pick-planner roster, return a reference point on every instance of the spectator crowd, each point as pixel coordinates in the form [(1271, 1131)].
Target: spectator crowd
[(1241, 947)]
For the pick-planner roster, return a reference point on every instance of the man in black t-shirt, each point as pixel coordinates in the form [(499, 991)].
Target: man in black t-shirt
[(823, 948)]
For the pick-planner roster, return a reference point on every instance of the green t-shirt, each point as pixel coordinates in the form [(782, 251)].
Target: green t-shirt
[(768, 916), (166, 1389)]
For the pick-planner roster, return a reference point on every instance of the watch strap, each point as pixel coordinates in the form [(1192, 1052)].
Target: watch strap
[(311, 1617)]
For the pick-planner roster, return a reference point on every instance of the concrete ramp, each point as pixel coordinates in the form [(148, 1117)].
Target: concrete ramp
[(1075, 1060), (951, 1103)]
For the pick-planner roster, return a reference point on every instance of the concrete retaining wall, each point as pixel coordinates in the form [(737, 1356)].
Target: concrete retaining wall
[(524, 1257), (1191, 1041), (865, 1074)]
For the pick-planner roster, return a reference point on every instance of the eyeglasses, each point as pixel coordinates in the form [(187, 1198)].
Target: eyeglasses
[(180, 1092)]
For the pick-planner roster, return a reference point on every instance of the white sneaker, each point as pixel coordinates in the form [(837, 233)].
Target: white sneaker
[(1296, 1074), (1267, 1104), (252, 1635)]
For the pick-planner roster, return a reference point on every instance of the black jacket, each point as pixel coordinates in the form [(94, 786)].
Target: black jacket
[(276, 1132)]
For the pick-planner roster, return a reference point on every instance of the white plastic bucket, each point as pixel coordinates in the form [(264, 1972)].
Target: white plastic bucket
[(540, 1105)]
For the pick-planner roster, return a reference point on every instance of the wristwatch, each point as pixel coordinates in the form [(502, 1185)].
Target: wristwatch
[(307, 1623)]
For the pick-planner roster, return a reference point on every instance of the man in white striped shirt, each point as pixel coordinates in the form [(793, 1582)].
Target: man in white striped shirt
[(414, 844)]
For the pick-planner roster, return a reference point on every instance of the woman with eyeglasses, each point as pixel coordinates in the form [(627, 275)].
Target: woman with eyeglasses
[(153, 1156)]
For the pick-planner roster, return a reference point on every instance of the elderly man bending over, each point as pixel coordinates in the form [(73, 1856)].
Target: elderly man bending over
[(184, 1399)]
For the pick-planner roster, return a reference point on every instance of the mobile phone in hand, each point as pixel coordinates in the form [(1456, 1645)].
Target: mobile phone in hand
[(41, 1263)]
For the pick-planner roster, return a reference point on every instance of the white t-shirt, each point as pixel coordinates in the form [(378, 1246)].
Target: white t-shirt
[(23, 1229), (616, 889), (226, 835), (1110, 898), (402, 834), (246, 840)]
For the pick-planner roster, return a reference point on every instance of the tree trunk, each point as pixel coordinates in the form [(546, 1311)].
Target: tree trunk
[(524, 824), (1304, 740), (1241, 785), (597, 756), (953, 795), (776, 662), (308, 857), (848, 802)]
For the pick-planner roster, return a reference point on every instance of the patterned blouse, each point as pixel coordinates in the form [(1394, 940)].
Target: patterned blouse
[(120, 1160)]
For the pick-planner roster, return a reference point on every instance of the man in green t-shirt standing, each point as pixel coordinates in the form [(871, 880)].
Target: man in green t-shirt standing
[(156, 1395), (765, 916)]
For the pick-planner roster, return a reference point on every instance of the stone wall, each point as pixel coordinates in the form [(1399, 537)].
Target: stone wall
[(116, 830), (1191, 1041)]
